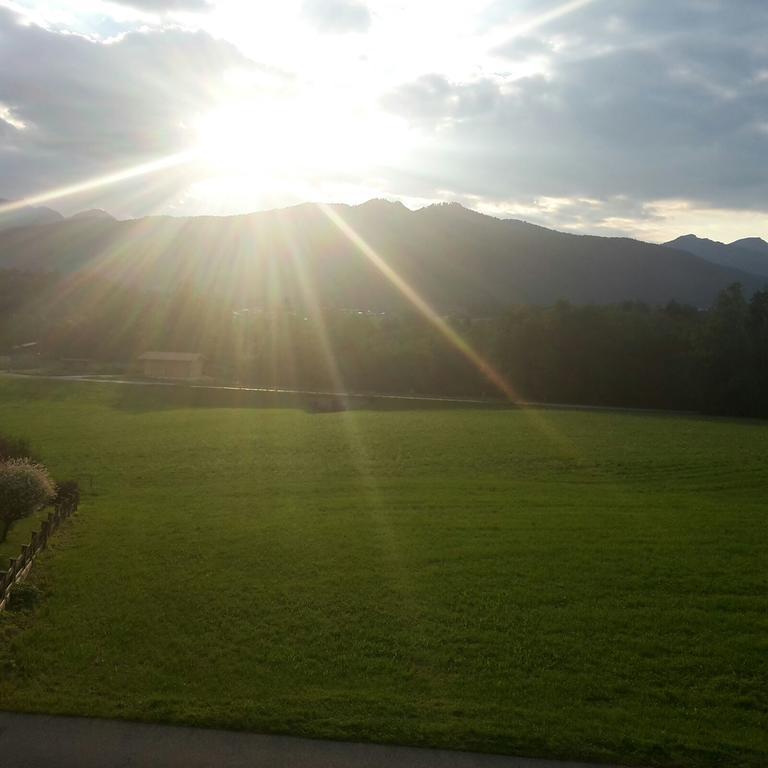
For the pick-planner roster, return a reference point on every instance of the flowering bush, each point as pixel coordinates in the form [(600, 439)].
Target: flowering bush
[(24, 487)]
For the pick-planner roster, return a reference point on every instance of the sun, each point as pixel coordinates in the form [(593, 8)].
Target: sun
[(241, 136), (289, 140)]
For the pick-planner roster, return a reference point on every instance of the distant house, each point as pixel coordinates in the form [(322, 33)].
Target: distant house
[(172, 365), (24, 356)]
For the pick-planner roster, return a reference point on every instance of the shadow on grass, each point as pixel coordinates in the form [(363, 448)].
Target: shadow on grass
[(20, 534)]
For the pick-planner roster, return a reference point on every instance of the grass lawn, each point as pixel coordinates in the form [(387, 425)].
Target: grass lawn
[(544, 583), (20, 534)]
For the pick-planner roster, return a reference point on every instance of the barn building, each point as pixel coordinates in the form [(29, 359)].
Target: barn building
[(172, 365)]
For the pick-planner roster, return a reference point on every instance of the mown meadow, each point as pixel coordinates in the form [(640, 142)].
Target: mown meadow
[(584, 585)]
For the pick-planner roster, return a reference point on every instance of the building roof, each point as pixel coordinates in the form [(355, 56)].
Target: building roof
[(186, 357)]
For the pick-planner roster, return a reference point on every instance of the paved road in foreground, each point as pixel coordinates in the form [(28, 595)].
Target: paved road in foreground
[(44, 741)]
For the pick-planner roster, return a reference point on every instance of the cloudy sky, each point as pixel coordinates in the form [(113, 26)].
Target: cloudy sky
[(639, 117)]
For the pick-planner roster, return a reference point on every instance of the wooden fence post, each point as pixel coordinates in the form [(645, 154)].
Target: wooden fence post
[(18, 567)]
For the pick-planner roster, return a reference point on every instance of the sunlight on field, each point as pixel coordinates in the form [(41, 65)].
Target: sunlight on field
[(447, 577)]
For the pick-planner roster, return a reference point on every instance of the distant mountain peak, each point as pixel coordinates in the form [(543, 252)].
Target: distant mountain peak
[(756, 244), (691, 238), (750, 254), (93, 213), (381, 203), (454, 210), (446, 205), (27, 216)]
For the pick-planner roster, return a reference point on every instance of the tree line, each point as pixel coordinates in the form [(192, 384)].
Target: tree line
[(635, 355)]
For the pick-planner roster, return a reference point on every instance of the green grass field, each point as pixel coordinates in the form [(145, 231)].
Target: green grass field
[(544, 583)]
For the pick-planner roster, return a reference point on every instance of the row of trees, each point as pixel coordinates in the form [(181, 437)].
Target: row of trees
[(631, 354)]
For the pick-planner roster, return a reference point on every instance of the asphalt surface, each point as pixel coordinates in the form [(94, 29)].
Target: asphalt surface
[(45, 741)]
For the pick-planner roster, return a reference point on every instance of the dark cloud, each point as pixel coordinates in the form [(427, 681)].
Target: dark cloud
[(664, 100), (338, 15), (523, 47), (608, 216), (433, 97), (91, 107)]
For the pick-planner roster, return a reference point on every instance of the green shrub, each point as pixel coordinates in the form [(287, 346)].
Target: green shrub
[(23, 597), (67, 492), (24, 488), (14, 448)]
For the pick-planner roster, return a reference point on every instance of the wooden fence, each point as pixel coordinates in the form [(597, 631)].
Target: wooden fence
[(19, 567)]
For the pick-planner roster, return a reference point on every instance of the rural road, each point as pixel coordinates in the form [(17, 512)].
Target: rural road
[(44, 741), (274, 390), (359, 396)]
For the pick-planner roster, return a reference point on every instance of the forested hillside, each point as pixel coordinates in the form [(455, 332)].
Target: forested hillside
[(630, 354), (459, 260)]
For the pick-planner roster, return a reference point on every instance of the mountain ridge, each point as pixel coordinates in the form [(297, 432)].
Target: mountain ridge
[(749, 254), (458, 259), (27, 216)]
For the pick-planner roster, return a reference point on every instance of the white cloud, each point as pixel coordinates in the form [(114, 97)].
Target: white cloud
[(161, 6), (338, 15)]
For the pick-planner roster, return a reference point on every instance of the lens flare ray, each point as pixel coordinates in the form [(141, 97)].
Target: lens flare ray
[(527, 26), (125, 174), (455, 339), (423, 307)]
